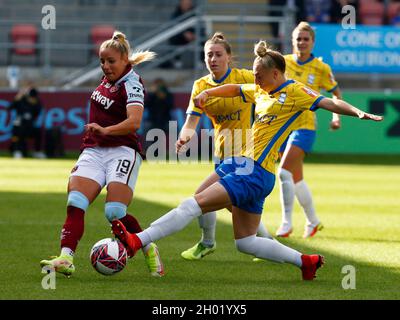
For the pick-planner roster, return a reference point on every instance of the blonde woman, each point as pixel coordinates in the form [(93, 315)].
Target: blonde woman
[(111, 152), (243, 183), (304, 67), (227, 116)]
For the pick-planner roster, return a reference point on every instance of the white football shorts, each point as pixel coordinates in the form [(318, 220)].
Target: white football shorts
[(105, 165)]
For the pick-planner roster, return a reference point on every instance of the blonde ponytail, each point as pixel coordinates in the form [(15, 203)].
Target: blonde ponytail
[(269, 58), (141, 56), (119, 42), (261, 48)]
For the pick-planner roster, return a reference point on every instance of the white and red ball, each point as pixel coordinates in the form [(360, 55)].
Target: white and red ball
[(108, 256)]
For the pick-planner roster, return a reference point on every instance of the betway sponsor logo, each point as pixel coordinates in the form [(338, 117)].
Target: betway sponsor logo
[(106, 102)]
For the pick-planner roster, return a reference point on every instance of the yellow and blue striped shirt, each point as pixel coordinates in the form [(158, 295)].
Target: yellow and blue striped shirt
[(275, 116), (315, 74)]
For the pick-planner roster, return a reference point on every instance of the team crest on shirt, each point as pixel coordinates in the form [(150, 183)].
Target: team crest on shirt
[(311, 78), (282, 98), (114, 88), (310, 92)]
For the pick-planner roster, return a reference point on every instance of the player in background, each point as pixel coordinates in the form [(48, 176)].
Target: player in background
[(226, 115), (111, 152), (244, 182), (303, 66)]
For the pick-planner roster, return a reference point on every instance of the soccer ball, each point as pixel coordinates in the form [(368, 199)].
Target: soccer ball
[(108, 256)]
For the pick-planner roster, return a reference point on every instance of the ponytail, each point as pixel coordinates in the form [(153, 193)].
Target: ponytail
[(119, 42), (269, 58)]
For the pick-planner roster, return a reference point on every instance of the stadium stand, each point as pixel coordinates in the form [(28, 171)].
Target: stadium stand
[(241, 34), (98, 34), (372, 12), (70, 40), (70, 48), (24, 39), (393, 11)]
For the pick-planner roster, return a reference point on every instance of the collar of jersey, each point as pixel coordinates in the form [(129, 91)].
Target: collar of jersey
[(127, 71), (287, 82), (304, 62), (224, 77)]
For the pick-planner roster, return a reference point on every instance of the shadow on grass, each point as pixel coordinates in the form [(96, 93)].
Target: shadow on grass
[(30, 228), (362, 159), (364, 239)]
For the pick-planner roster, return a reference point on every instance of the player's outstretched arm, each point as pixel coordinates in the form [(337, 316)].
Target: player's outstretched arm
[(187, 132), (224, 91), (342, 107)]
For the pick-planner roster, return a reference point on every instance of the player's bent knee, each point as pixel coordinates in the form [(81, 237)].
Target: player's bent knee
[(189, 207), (77, 199), (246, 245), (114, 210)]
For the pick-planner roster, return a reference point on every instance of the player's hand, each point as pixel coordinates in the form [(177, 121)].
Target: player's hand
[(335, 124), (369, 116), (180, 145), (200, 100), (95, 128)]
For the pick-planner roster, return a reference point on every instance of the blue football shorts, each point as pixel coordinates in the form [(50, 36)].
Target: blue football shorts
[(302, 138), (247, 183)]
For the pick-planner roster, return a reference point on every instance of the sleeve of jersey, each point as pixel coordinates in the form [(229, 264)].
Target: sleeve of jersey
[(328, 80), (247, 92), (192, 109), (248, 76), (306, 98), (134, 93)]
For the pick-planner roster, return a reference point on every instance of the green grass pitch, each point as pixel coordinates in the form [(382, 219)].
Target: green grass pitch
[(359, 204)]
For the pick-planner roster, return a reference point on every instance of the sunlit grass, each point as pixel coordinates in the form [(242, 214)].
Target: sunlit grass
[(359, 206)]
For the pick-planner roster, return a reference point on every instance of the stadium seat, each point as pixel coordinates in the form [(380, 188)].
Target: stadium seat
[(24, 39), (98, 34), (372, 13), (393, 10)]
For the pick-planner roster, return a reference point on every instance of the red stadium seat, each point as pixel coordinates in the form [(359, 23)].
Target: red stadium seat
[(393, 9), (98, 34), (372, 13), (24, 38)]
